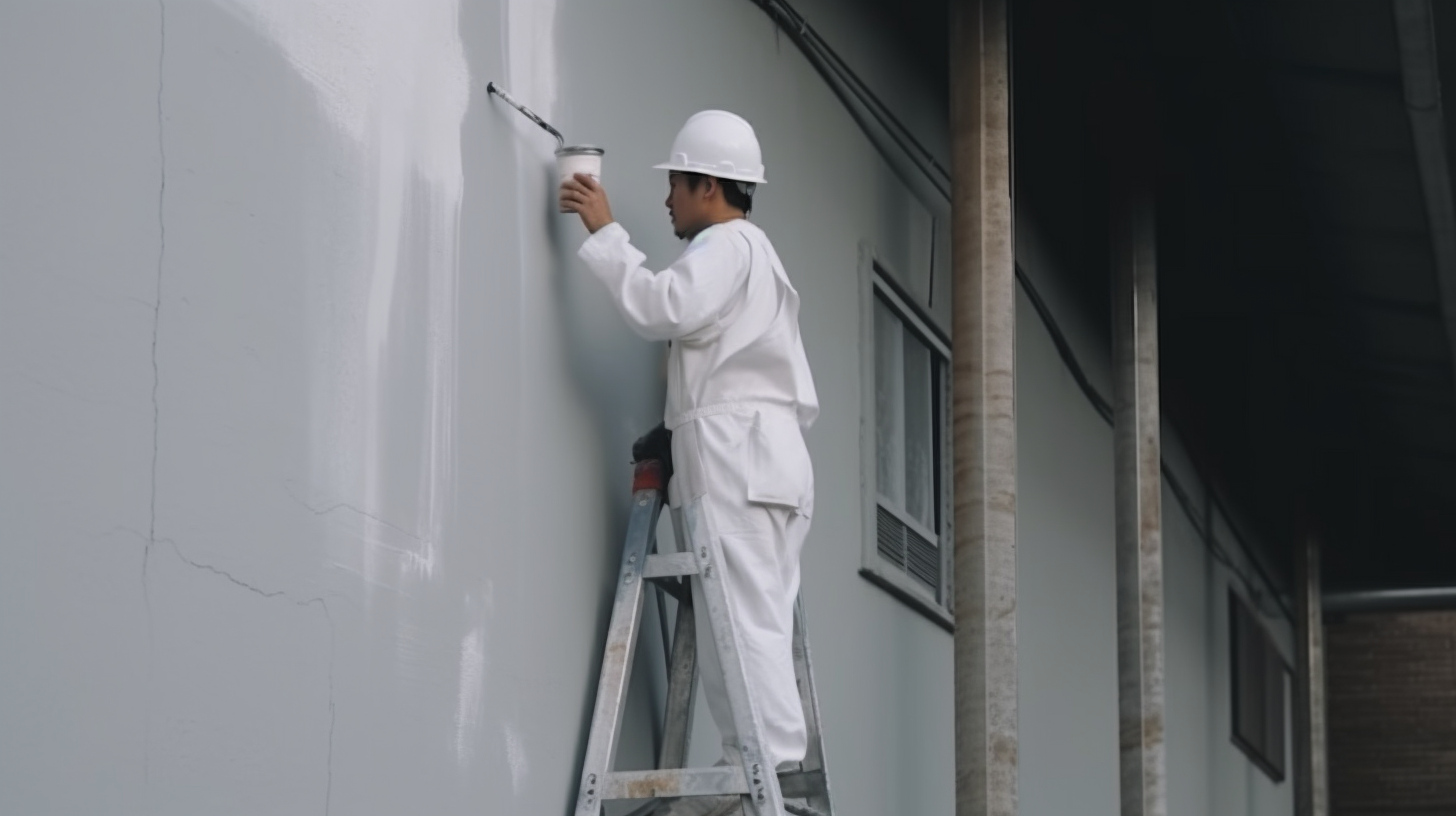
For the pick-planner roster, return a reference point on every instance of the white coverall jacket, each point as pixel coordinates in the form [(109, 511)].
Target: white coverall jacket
[(739, 392)]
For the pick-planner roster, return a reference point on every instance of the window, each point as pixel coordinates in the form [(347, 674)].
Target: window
[(905, 447), (1258, 689)]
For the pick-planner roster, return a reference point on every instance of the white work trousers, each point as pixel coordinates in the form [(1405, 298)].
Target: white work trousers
[(761, 544)]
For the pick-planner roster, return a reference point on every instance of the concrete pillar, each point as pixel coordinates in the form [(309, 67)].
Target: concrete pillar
[(983, 410), (1311, 776), (1139, 490)]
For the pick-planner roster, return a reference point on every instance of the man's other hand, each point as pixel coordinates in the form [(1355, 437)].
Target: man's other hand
[(585, 196)]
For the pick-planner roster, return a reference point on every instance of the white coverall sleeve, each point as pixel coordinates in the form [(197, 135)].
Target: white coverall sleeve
[(683, 299)]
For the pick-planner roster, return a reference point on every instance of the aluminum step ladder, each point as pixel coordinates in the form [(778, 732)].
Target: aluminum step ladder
[(763, 792)]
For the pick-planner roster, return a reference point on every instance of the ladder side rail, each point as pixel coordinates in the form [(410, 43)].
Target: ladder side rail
[(764, 797), (622, 633), (682, 685), (815, 764)]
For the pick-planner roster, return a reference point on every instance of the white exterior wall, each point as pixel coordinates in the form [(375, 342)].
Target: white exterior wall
[(314, 441), (1067, 593)]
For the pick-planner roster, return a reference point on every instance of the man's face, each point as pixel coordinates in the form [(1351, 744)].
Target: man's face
[(686, 207)]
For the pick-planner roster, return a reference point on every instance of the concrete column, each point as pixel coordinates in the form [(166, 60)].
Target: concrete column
[(1139, 490), (984, 411), (1311, 777)]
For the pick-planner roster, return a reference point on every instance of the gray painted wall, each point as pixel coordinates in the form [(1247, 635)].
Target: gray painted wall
[(315, 435)]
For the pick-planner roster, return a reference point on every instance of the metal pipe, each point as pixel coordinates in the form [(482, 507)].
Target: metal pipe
[(873, 115), (1311, 777), (984, 410), (1390, 600)]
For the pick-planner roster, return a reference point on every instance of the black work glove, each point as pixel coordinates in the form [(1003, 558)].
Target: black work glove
[(656, 444)]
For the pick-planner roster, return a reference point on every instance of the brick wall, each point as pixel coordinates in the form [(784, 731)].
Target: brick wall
[(1392, 713)]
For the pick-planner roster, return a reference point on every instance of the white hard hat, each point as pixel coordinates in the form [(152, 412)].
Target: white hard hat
[(717, 143)]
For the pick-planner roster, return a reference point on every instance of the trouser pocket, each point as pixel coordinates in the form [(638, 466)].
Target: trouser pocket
[(776, 465)]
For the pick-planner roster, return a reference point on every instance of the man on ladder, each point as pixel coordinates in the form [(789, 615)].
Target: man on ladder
[(739, 392)]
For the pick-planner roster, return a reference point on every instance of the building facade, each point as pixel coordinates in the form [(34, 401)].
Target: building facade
[(316, 433)]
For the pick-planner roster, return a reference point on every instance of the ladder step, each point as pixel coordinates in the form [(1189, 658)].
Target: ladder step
[(801, 784), (725, 780), (669, 565), (703, 781)]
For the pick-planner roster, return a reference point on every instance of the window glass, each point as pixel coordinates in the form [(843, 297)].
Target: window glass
[(889, 405), (1258, 690), (919, 413)]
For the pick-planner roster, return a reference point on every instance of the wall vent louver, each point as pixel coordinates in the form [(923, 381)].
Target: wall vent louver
[(907, 549)]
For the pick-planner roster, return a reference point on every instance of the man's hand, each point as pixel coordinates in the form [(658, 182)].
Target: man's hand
[(584, 196)]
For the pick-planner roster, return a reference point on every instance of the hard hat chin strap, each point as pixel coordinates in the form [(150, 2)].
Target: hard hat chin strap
[(746, 187)]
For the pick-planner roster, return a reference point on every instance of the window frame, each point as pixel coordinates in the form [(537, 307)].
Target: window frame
[(877, 278), (1271, 666)]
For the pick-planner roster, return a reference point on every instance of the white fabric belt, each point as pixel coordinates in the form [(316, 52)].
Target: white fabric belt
[(746, 408)]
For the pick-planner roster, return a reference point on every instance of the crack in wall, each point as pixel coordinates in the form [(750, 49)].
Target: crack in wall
[(55, 389), (151, 539), (157, 299), (306, 603), (319, 602), (324, 511), (156, 410), (415, 551)]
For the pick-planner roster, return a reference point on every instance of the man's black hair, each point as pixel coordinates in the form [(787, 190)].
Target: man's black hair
[(732, 193)]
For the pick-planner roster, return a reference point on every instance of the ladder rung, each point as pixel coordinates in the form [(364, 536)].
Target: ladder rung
[(725, 780), (801, 784), (669, 565), (676, 588)]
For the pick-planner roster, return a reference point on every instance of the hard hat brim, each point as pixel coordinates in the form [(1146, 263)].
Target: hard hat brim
[(679, 168)]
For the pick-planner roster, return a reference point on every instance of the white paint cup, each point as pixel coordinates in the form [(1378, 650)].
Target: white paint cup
[(579, 159)]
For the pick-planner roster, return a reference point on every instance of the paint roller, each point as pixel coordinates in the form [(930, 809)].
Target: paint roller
[(570, 160)]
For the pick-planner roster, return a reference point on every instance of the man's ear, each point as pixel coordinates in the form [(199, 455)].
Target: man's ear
[(710, 186)]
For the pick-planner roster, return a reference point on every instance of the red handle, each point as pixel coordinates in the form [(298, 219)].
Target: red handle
[(647, 476)]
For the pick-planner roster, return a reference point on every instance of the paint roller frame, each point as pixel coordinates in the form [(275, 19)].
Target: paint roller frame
[(491, 87)]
